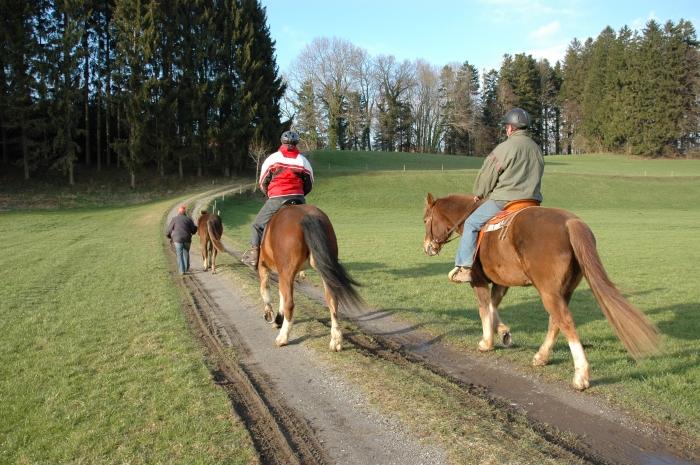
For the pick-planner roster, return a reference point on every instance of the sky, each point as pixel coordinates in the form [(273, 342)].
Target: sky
[(454, 31)]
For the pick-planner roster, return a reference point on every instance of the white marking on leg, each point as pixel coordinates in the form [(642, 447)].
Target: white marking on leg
[(283, 336), (486, 342), (581, 381), (336, 337)]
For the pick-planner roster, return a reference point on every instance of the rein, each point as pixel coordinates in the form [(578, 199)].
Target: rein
[(447, 238)]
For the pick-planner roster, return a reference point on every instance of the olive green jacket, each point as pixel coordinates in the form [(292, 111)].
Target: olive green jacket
[(513, 171)]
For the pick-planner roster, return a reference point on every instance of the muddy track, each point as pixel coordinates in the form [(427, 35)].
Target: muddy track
[(278, 435)]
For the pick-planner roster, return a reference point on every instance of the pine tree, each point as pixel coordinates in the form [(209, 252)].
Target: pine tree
[(491, 113), (261, 88)]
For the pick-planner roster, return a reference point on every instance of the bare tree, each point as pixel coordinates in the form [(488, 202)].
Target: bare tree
[(257, 151), (427, 108), (328, 64)]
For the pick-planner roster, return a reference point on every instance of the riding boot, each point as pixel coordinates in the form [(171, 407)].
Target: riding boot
[(250, 257)]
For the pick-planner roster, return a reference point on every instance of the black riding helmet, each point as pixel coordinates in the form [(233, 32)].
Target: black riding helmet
[(290, 138), (517, 117)]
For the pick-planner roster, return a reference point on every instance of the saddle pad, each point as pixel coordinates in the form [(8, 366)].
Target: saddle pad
[(503, 218)]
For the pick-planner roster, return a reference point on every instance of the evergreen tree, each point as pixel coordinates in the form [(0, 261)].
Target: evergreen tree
[(491, 113), (307, 123)]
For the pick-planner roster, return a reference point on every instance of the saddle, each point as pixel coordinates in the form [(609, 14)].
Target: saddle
[(503, 219)]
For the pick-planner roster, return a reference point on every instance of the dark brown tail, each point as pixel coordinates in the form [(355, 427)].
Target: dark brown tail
[(326, 263), (216, 229), (636, 332)]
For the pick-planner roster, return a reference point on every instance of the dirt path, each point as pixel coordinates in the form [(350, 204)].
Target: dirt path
[(297, 411), (602, 434)]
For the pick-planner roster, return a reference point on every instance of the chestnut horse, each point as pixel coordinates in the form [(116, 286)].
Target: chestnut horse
[(210, 230), (551, 249), (299, 236)]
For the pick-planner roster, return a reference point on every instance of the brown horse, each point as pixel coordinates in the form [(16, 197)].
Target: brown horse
[(210, 230), (299, 236), (550, 249)]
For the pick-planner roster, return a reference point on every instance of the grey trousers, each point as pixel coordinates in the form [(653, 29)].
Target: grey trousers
[(268, 209)]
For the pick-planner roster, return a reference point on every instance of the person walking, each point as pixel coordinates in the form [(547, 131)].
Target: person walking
[(286, 176), (180, 231), (513, 171)]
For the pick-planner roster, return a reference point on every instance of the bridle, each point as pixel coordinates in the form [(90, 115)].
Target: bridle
[(438, 243)]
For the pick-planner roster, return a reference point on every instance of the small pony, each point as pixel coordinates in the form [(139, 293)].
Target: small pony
[(298, 237), (210, 230), (551, 249)]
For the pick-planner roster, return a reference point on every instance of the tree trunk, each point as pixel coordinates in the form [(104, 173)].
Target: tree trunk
[(98, 114), (25, 150), (132, 172), (119, 133), (71, 177), (86, 94), (180, 170), (3, 134), (108, 101), (557, 134)]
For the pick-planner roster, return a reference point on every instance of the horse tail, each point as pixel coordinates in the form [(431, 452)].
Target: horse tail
[(341, 285), (636, 332), (215, 230)]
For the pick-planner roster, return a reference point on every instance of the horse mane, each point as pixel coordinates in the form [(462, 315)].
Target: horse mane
[(456, 205)]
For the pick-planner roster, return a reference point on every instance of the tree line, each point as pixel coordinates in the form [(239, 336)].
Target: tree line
[(626, 92), (136, 84)]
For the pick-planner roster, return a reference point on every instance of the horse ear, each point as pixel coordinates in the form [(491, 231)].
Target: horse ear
[(429, 200)]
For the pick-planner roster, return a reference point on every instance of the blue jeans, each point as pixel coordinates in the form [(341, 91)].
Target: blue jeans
[(472, 226), (182, 253)]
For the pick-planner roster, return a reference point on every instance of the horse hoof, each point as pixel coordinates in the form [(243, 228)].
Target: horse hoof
[(268, 316), (280, 342), (484, 347), (539, 361), (278, 320), (336, 346), (506, 339), (581, 384)]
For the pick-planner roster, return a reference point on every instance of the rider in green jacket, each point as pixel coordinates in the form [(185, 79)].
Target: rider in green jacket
[(513, 171)]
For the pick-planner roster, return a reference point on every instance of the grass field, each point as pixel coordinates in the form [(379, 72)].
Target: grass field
[(645, 217), (97, 361)]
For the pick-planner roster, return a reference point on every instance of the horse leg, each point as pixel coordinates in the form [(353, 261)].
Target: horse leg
[(286, 288), (264, 275), (541, 358), (557, 307), (203, 251), (336, 343), (486, 312), (497, 294), (213, 260)]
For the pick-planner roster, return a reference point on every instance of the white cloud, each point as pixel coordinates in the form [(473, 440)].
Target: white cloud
[(546, 31), (552, 54)]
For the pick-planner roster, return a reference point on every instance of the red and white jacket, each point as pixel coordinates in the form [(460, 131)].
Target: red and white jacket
[(286, 172)]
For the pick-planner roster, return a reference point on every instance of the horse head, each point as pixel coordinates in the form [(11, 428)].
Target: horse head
[(442, 217)]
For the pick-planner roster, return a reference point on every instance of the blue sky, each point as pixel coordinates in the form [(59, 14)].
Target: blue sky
[(446, 31)]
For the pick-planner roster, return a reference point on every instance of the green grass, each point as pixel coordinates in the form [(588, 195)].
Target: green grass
[(97, 361), (646, 226)]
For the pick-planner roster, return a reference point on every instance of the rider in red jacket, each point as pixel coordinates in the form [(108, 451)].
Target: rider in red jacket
[(286, 176)]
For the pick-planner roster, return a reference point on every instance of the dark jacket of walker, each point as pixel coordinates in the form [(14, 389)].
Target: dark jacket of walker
[(181, 229)]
